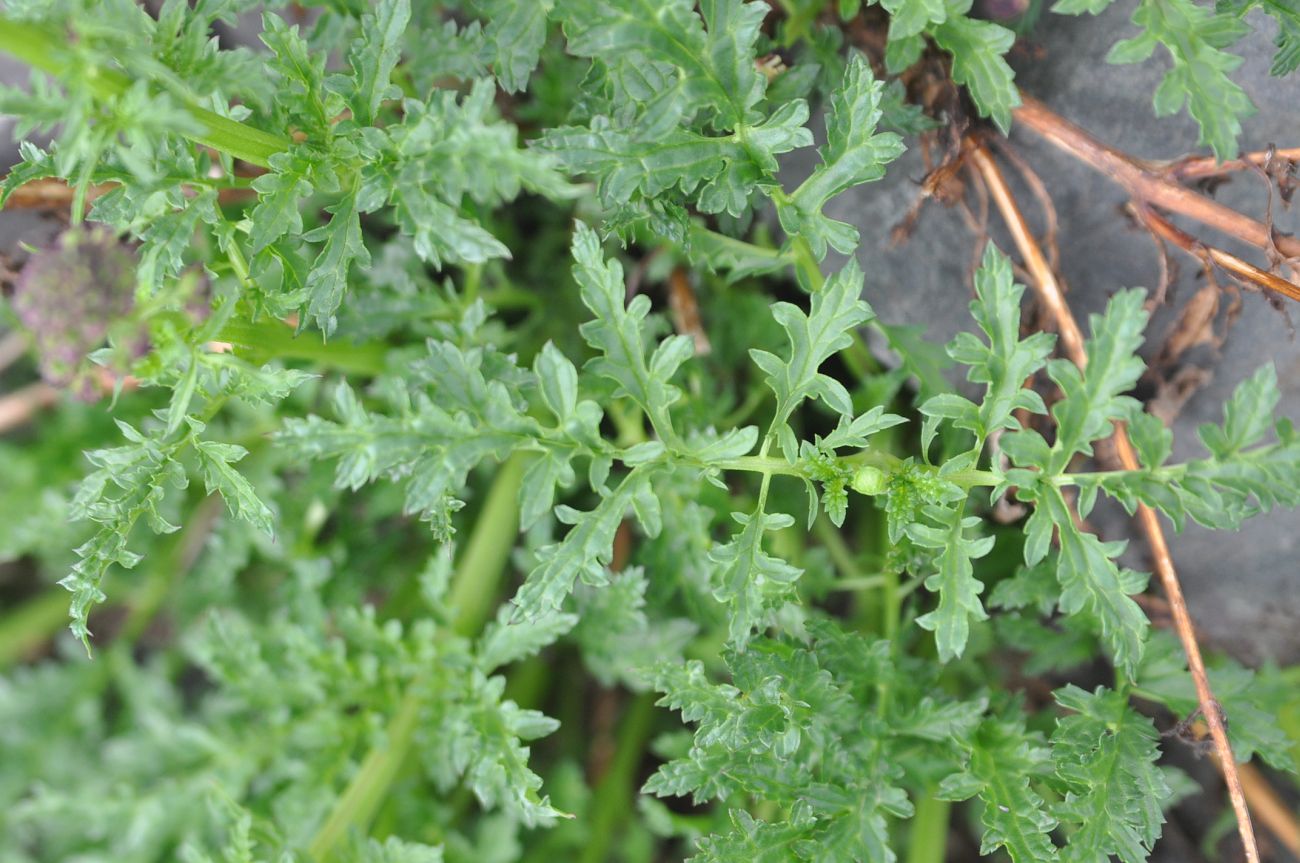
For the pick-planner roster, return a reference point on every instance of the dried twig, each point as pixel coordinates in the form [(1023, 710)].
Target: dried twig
[(58, 195), (1146, 185), (1270, 808), (1199, 167), (1045, 284), (49, 195), (1051, 224), (17, 407), (1243, 270), (12, 346), (685, 310)]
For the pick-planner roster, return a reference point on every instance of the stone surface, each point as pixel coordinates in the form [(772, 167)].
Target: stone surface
[(1244, 588)]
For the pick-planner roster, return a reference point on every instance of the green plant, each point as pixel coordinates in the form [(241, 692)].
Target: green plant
[(370, 350)]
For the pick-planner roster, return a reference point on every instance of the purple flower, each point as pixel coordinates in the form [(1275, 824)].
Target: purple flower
[(70, 293)]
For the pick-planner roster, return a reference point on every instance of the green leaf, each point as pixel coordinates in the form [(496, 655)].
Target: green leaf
[(751, 582), (978, 50), (215, 460), (620, 640), (328, 280), (617, 333), (1250, 701), (1247, 415), (1004, 759), (515, 33), (834, 312), (33, 164), (855, 153), (1007, 361), (909, 18), (722, 172), (373, 56), (1081, 7), (1092, 582), (1195, 38), (857, 432), (280, 194), (954, 579), (1104, 754), (1287, 15), (1094, 399), (585, 551), (140, 471), (714, 65), (311, 104), (505, 641), (441, 234)]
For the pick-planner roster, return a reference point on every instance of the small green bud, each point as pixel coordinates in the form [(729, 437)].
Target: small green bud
[(869, 480)]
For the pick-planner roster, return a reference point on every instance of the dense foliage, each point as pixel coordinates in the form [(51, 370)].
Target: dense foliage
[(419, 502)]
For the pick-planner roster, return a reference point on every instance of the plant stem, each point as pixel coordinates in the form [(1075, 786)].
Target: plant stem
[(1045, 284), (1167, 231), (274, 339), (927, 838), (473, 590), (30, 625), (41, 49), (765, 465), (841, 555), (368, 788), (1145, 185), (805, 263), (612, 795)]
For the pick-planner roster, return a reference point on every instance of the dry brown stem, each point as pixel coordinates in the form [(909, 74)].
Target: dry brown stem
[(1239, 269), (58, 195), (1146, 185), (1049, 292), (1270, 808), (12, 346), (48, 195), (17, 407), (1200, 167)]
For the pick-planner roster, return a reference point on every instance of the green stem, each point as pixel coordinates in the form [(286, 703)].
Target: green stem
[(26, 628), (613, 794), (927, 838), (363, 796), (42, 49), (473, 591), (890, 606), (838, 549), (805, 263), (274, 339), (760, 464)]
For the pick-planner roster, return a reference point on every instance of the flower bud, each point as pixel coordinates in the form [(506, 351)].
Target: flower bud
[(869, 480)]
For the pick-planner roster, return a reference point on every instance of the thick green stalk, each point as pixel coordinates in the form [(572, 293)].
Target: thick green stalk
[(478, 576), (473, 593), (612, 796), (31, 624), (927, 838), (273, 339), (369, 787), (42, 49)]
